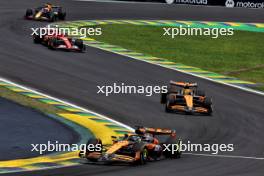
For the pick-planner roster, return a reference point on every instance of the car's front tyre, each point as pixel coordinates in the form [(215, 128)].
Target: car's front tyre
[(169, 102), (29, 12), (208, 104)]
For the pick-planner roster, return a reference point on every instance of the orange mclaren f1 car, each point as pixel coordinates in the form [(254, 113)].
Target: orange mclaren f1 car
[(136, 148), (185, 97)]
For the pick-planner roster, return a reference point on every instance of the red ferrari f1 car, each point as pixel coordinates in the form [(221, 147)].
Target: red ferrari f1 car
[(59, 41), (135, 148)]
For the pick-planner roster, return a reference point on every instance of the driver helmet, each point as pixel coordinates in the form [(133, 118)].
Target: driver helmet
[(148, 137), (48, 6), (187, 92)]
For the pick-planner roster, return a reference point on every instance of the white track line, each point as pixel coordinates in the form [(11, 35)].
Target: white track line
[(225, 156), (66, 102)]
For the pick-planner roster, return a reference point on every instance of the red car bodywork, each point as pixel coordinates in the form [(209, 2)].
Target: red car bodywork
[(59, 41)]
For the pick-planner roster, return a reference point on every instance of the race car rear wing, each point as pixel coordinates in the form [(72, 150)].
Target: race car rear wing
[(155, 131), (183, 84)]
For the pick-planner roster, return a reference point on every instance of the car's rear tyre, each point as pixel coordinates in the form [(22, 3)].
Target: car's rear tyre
[(37, 39), (29, 12), (79, 43), (62, 16), (94, 142), (163, 98), (173, 141)]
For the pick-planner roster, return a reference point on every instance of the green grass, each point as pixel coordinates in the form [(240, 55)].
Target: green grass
[(236, 55)]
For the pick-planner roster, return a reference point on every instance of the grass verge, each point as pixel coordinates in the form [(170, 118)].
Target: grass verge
[(28, 102), (240, 55)]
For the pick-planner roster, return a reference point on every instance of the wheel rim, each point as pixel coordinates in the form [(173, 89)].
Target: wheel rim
[(145, 154)]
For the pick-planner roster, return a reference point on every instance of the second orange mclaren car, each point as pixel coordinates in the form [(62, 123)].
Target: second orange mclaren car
[(185, 97)]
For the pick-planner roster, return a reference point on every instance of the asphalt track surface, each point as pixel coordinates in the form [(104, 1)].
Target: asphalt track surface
[(20, 127), (238, 116)]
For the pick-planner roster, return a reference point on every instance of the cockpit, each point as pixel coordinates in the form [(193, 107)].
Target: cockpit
[(134, 138)]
